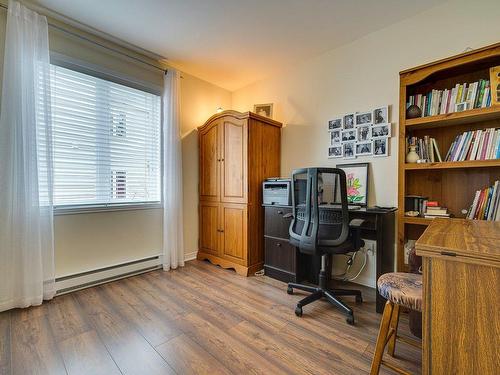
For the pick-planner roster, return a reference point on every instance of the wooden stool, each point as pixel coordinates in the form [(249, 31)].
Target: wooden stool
[(400, 289)]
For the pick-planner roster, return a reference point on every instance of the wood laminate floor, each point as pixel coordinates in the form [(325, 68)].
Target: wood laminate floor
[(200, 319)]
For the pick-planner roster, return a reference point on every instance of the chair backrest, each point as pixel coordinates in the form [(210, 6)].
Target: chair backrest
[(317, 222)]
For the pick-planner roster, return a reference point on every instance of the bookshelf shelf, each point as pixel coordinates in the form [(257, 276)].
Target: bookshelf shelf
[(417, 220), (455, 118), (452, 184), (454, 164)]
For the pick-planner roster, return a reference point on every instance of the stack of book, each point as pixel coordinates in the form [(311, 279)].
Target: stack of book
[(475, 145), (426, 148), (486, 204), (433, 210), (476, 94)]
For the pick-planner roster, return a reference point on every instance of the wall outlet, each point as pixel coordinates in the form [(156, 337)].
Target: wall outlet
[(370, 247)]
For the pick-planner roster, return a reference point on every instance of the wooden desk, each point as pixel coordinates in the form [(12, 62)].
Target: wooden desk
[(461, 310), (286, 263)]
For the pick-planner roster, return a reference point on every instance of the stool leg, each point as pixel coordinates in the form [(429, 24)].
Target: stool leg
[(382, 337), (391, 345)]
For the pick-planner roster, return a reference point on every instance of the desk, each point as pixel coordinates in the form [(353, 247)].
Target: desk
[(461, 312), (286, 263)]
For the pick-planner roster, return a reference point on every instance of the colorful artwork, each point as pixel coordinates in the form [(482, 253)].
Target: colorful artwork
[(353, 189), (356, 181)]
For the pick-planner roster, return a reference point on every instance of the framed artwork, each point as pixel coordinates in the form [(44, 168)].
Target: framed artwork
[(349, 150), (336, 123), (335, 151), (381, 147), (348, 121), (265, 110), (364, 118), (364, 148), (381, 115), (381, 130), (335, 137), (357, 183)]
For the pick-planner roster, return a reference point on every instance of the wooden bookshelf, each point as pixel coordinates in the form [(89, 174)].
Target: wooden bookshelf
[(452, 184)]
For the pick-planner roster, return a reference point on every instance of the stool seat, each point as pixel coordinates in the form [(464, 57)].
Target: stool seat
[(404, 289)]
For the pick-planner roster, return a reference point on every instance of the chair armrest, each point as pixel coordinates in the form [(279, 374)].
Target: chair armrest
[(355, 232)]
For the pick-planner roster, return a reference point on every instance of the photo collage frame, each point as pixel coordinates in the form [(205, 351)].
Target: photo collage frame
[(360, 134)]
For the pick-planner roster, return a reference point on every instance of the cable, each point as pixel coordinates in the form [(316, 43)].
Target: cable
[(344, 276)]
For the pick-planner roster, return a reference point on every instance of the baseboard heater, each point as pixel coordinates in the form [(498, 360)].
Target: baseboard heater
[(98, 276)]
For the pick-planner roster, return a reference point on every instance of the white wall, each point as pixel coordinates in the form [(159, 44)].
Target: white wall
[(362, 75)]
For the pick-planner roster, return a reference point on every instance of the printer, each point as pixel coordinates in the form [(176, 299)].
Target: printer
[(276, 191)]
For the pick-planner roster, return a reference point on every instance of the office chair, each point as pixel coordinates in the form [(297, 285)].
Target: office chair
[(322, 229)]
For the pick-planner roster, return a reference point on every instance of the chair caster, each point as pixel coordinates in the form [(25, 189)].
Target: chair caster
[(350, 320), (359, 299), (289, 290), (298, 311)]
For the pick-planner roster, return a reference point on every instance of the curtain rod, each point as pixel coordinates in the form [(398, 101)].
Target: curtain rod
[(98, 44)]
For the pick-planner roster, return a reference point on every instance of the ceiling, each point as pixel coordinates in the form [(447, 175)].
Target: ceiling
[(233, 43)]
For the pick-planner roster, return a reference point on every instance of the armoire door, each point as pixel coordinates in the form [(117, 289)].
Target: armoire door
[(210, 159), (234, 235), (210, 231), (234, 160)]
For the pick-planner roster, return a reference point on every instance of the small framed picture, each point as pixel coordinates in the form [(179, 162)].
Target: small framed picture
[(363, 132), (460, 107), (364, 148), (348, 121), (265, 110), (348, 150), (335, 137), (381, 130), (380, 147), (349, 135), (364, 118), (335, 151), (381, 115), (336, 123)]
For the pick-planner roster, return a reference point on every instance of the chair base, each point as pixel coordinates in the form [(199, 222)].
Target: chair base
[(331, 296)]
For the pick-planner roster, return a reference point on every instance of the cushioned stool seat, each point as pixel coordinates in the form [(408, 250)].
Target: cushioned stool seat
[(404, 289)]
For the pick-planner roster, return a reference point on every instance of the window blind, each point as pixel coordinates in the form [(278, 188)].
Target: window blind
[(106, 141)]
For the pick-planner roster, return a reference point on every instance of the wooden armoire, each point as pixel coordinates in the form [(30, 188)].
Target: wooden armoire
[(237, 151)]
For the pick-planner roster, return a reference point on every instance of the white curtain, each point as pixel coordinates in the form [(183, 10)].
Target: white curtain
[(173, 244), (26, 219)]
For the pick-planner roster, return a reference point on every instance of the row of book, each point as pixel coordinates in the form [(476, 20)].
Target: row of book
[(486, 204), (476, 95), (475, 145), (426, 148)]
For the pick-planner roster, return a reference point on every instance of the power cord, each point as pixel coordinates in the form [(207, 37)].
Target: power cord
[(344, 276)]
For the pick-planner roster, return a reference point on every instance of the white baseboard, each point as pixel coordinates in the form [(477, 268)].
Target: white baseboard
[(190, 256)]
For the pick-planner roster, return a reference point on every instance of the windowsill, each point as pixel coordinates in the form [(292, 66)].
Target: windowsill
[(85, 209)]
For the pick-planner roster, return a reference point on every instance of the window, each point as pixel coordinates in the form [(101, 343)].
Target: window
[(106, 139)]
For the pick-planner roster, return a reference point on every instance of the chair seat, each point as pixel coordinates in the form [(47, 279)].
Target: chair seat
[(402, 288), (346, 247)]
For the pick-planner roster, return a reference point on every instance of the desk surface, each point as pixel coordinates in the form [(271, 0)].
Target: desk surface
[(367, 210), (466, 239)]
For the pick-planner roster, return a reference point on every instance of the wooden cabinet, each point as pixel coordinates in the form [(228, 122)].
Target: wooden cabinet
[(461, 315), (237, 152)]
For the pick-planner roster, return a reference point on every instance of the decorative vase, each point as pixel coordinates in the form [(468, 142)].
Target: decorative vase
[(412, 156), (413, 111)]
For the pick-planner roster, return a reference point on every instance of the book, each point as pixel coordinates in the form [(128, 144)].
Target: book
[(486, 204), (481, 144)]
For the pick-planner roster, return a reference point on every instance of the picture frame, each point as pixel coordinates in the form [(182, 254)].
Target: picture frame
[(381, 115), (363, 132), (265, 110), (349, 150), (364, 148), (357, 183), (348, 121), (381, 130), (335, 151), (335, 137), (363, 118), (380, 147), (334, 124), (348, 135)]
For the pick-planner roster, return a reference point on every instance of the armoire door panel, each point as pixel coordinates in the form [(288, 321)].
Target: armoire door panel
[(234, 161), (210, 163), (209, 228), (234, 221)]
